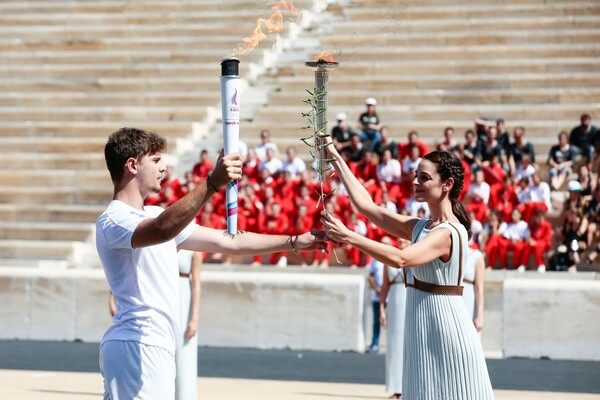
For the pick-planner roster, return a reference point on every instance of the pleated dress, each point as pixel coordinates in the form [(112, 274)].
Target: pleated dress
[(186, 355), (394, 353), (443, 357), (469, 281)]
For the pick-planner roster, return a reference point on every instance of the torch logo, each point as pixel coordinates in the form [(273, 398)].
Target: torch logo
[(234, 100)]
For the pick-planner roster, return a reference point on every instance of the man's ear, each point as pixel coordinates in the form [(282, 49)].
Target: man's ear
[(132, 166)]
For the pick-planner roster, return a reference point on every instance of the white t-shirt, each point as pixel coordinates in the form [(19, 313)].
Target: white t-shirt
[(144, 281), (376, 269), (482, 190), (389, 172), (518, 231), (294, 167), (261, 150)]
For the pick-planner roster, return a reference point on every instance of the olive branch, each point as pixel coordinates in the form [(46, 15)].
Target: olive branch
[(316, 142)]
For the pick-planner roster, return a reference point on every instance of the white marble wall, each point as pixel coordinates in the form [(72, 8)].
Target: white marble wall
[(239, 309), (558, 319)]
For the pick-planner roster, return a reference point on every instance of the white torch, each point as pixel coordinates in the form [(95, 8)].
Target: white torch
[(230, 87)]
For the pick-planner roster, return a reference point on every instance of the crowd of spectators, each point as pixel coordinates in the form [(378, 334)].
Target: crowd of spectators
[(506, 192)]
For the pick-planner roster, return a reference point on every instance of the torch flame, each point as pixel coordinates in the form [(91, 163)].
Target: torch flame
[(324, 57), (273, 24)]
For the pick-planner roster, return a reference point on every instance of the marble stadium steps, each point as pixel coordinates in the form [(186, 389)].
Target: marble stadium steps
[(488, 80), (458, 66), (408, 11), (48, 231), (584, 96), (56, 178), (408, 114), (63, 195), (50, 213), (103, 113), (127, 99), (32, 252), (66, 131)]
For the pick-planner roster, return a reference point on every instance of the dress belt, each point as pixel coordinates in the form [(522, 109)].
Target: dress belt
[(184, 275), (448, 290)]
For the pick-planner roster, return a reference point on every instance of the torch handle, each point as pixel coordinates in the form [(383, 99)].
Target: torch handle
[(231, 134)]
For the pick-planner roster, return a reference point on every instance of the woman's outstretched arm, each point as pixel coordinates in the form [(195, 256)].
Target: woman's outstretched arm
[(437, 244), (395, 224)]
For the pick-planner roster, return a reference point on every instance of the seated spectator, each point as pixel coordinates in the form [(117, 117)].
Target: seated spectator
[(389, 173), (524, 169), (356, 257), (476, 229), (503, 136), (265, 143), (271, 163), (293, 164), (492, 235), (515, 238), (478, 196), (494, 174), (506, 200), (519, 148), (492, 148), (560, 160), (584, 138), (302, 222), (277, 223), (588, 184), (449, 142), (366, 172), (573, 235), (251, 166), (592, 212), (202, 168), (386, 143), (413, 159), (471, 149), (355, 150), (533, 196), (482, 127), (404, 148), (170, 180), (369, 124), (341, 133), (540, 240)]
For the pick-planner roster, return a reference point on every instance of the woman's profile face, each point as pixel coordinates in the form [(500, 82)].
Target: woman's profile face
[(427, 184)]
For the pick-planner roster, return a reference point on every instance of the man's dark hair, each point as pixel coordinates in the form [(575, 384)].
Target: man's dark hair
[(129, 143)]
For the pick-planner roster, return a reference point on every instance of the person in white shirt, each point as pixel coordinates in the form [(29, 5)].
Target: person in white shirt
[(271, 163), (515, 238), (265, 143), (479, 195), (293, 164), (138, 248)]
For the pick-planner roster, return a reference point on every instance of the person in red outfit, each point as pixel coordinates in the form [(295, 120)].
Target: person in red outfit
[(302, 221), (515, 238), (277, 222), (252, 166), (493, 235), (413, 139), (507, 198), (540, 240), (170, 180), (494, 174), (203, 167), (352, 253)]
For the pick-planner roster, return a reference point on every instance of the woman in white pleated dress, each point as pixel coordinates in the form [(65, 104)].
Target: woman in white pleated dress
[(473, 278), (392, 318), (443, 357), (186, 355)]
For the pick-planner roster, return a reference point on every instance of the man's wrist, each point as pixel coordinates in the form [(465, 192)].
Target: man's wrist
[(211, 183)]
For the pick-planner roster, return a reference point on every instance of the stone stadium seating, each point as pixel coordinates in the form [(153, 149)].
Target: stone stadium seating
[(73, 72)]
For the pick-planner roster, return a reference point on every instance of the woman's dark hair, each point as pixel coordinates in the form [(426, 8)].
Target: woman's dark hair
[(127, 143), (448, 166)]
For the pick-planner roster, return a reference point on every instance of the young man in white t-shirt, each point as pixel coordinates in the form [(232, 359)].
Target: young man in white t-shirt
[(138, 248)]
